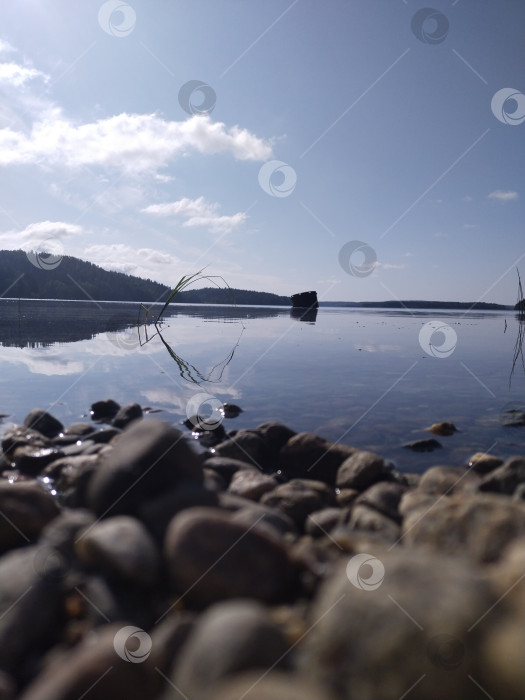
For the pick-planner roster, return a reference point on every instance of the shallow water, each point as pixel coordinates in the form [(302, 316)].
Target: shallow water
[(359, 377)]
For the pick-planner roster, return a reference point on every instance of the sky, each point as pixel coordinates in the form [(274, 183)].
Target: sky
[(367, 149)]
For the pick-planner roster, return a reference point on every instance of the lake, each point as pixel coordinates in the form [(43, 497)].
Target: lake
[(375, 379)]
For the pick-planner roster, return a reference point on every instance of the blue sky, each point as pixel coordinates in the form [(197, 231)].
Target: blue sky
[(353, 147)]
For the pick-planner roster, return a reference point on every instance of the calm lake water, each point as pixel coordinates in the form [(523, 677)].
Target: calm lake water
[(374, 379)]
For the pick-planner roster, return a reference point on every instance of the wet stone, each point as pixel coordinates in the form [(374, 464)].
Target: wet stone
[(247, 446), (80, 429), (425, 445), (26, 508), (127, 414), (205, 551), (275, 435), (444, 429), (43, 422), (226, 466), (149, 459), (32, 460), (21, 436), (104, 435), (367, 519), (322, 522), (361, 470), (309, 456), (104, 411), (230, 410)]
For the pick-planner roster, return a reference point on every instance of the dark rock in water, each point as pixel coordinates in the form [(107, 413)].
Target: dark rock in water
[(300, 497), (127, 414), (43, 422), (80, 429), (304, 300), (513, 417), (26, 509), (94, 669), (29, 608), (395, 626), (309, 456), (206, 438), (120, 547), (427, 445), (149, 459), (104, 435), (361, 470), (21, 436), (228, 638), (447, 480), (212, 558), (505, 479), (104, 411), (478, 526), (305, 315), (446, 428), (31, 460), (230, 410)]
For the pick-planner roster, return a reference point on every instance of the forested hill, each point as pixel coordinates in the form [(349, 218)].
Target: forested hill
[(76, 279), (71, 279)]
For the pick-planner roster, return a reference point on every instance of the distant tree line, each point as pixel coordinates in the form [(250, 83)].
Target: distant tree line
[(79, 280)]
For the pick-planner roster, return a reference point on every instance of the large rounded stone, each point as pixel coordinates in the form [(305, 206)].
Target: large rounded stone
[(44, 422), (148, 459), (384, 497), (120, 547), (309, 456), (447, 480), (26, 509), (478, 525), (228, 638), (212, 558), (361, 470), (247, 446), (416, 632), (251, 484), (300, 497), (505, 479)]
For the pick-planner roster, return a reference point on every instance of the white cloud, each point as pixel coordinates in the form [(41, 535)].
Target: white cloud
[(504, 196), (6, 47), (132, 143), (42, 235), (142, 262), (16, 75), (198, 212), (388, 266)]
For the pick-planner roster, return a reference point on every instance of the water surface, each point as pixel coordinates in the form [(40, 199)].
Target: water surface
[(359, 377)]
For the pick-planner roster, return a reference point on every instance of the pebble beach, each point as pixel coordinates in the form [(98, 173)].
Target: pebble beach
[(139, 562)]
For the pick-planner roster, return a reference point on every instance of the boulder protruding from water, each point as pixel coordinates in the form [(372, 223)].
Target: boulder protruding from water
[(305, 300)]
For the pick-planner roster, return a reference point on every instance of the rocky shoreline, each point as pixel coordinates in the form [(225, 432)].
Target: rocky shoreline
[(270, 565)]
